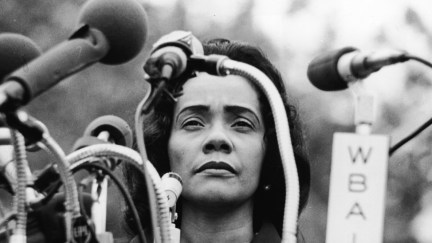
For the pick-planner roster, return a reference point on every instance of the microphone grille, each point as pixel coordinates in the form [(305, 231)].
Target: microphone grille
[(323, 72), (15, 51), (120, 131), (124, 24)]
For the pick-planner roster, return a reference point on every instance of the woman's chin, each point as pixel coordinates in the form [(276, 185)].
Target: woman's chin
[(218, 195)]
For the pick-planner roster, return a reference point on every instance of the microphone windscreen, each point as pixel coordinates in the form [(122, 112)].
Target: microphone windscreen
[(15, 51), (124, 24), (323, 72), (120, 132)]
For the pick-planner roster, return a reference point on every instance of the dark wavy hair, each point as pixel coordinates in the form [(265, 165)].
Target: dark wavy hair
[(270, 196)]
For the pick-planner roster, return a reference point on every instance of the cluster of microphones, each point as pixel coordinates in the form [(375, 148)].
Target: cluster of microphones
[(108, 31), (111, 32)]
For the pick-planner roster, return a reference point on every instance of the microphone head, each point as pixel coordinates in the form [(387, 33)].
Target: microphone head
[(323, 71), (15, 51), (173, 186), (124, 24), (119, 130)]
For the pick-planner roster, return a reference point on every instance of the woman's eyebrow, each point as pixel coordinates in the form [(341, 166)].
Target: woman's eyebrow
[(193, 109), (241, 109)]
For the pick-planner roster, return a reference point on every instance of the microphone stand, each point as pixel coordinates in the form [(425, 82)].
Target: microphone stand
[(99, 191), (364, 108), (35, 132), (358, 177), (20, 200)]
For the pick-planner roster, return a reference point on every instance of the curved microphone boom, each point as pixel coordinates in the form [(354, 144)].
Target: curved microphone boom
[(110, 31), (104, 129), (15, 51), (334, 70)]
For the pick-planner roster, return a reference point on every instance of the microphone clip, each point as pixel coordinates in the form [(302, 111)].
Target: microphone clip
[(160, 89), (170, 60), (173, 50), (32, 129)]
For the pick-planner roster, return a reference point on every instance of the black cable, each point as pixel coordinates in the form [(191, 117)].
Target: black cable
[(53, 189), (419, 59), (409, 137), (50, 194), (122, 189), (422, 127)]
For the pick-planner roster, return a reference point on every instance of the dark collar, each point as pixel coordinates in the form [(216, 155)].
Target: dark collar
[(267, 234)]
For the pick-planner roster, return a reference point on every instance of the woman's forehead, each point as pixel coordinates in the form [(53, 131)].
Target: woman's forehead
[(216, 97), (229, 89)]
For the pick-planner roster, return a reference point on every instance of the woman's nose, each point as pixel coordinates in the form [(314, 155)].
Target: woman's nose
[(217, 141)]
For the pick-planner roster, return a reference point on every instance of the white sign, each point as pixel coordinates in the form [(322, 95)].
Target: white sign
[(357, 188)]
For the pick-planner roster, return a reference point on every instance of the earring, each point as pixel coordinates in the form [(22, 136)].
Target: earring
[(267, 187)]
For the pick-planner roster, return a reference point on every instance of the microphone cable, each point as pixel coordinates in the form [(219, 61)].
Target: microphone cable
[(158, 211), (20, 195), (126, 195), (125, 154), (410, 136), (424, 125), (84, 212), (418, 59), (88, 163)]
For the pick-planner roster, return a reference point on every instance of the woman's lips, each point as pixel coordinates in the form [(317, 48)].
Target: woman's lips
[(213, 165)]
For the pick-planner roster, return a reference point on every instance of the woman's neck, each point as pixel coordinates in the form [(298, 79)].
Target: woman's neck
[(228, 225)]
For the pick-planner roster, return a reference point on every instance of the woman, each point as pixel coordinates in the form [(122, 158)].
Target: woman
[(220, 138)]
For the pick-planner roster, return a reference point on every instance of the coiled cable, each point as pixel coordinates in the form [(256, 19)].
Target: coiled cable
[(289, 230)]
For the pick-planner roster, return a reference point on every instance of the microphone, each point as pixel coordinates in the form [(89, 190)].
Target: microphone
[(15, 51), (110, 31), (106, 129), (334, 70), (168, 60), (172, 51), (173, 185)]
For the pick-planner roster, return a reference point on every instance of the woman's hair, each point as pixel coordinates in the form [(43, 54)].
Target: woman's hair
[(269, 199)]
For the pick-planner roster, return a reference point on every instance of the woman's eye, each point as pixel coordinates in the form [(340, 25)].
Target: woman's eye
[(192, 124), (243, 124)]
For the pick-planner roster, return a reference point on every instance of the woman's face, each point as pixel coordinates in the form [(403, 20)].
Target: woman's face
[(217, 140)]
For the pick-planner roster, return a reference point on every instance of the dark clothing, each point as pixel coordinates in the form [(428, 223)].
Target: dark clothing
[(267, 234)]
